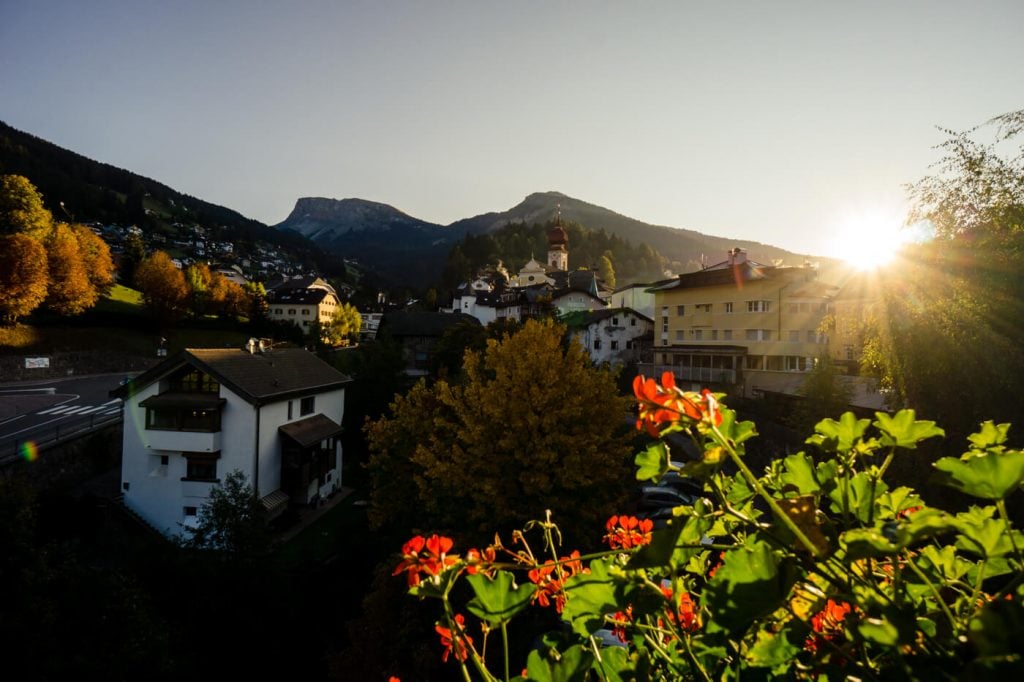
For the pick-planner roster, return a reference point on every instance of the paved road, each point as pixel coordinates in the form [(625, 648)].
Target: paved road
[(31, 409)]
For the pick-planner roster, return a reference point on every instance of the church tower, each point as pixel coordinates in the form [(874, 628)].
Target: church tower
[(558, 243)]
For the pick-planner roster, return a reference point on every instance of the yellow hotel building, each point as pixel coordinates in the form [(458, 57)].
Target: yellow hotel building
[(739, 325)]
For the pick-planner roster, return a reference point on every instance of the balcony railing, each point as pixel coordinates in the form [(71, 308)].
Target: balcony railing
[(702, 374), (183, 441)]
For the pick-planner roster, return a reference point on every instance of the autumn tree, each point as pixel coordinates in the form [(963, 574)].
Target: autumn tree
[(343, 326), (99, 266), (163, 288), (534, 426), (23, 276), (21, 208), (199, 280), (605, 270), (70, 291)]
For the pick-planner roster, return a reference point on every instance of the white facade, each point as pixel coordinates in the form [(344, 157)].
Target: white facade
[(614, 337), (157, 481)]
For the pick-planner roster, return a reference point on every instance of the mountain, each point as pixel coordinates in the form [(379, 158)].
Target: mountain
[(397, 247), (77, 187), (684, 248)]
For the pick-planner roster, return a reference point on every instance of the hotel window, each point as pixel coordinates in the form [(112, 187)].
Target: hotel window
[(698, 334), (759, 306), (728, 307), (664, 311), (703, 307), (812, 336), (727, 335), (680, 310), (794, 336), (714, 335), (680, 335)]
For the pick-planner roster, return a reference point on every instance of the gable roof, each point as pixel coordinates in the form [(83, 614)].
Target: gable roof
[(259, 378)]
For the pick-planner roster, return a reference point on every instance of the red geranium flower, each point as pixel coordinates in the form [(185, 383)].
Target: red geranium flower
[(667, 403), (551, 576), (427, 556), (626, 532), (455, 641), (827, 624)]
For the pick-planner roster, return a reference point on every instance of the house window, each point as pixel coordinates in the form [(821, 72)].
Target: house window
[(195, 381), (664, 327), (759, 306), (629, 344), (182, 419), (615, 345), (680, 310), (200, 467), (727, 335), (291, 311), (278, 311), (307, 405), (703, 307), (615, 322), (759, 335), (698, 334), (632, 322), (664, 311), (597, 344), (849, 352), (680, 335), (728, 307), (190, 511), (305, 311), (289, 410), (164, 460)]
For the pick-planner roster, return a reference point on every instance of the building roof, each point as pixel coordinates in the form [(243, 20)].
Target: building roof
[(259, 378), (585, 318), (297, 296), (311, 430), (421, 323)]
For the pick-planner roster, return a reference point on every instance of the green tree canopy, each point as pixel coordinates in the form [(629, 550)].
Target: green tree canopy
[(532, 426)]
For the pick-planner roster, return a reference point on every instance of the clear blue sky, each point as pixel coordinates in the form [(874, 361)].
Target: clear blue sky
[(772, 121)]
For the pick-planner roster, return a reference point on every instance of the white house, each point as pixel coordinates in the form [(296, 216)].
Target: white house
[(273, 414), (613, 336)]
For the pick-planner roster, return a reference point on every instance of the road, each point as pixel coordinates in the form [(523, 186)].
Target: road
[(40, 410)]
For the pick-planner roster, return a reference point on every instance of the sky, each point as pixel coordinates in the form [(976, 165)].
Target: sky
[(783, 122)]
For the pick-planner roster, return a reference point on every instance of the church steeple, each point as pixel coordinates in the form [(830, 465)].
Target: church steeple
[(558, 244)]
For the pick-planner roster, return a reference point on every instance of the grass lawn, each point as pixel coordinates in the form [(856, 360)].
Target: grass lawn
[(121, 300), (334, 532)]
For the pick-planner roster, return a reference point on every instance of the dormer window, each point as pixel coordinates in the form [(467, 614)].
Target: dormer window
[(194, 381)]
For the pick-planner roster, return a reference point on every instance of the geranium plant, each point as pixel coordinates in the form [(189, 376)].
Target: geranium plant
[(814, 567)]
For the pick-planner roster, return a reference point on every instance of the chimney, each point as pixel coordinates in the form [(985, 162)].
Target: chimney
[(737, 256)]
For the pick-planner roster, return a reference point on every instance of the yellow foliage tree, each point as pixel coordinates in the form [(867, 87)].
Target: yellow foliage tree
[(70, 291), (163, 287), (534, 426), (99, 266), (23, 276), (21, 208)]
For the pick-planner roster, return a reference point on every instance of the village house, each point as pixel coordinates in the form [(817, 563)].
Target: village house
[(273, 414)]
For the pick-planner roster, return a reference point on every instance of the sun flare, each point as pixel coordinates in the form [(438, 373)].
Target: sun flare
[(870, 239)]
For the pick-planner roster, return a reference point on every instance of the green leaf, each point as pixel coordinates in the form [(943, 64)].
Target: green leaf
[(989, 436), (745, 587), (735, 431), (498, 599), (590, 597), (614, 665), (860, 496), (571, 665), (799, 472), (668, 546), (903, 431), (839, 436), (772, 650), (653, 462), (879, 631), (862, 543), (989, 475), (989, 538)]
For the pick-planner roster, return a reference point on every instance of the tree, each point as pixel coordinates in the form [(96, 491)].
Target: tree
[(70, 291), (605, 271), (533, 426), (343, 326), (947, 338), (163, 288), (21, 208), (199, 281), (824, 393), (232, 521), (99, 266), (23, 276), (134, 253)]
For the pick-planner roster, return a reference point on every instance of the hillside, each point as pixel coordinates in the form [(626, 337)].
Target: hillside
[(683, 248), (92, 191)]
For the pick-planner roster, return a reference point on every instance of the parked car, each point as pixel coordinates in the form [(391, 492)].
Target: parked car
[(655, 497)]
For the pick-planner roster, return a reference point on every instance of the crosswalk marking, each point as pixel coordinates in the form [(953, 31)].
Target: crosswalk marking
[(76, 410)]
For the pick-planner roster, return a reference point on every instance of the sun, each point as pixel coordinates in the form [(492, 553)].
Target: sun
[(868, 240)]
